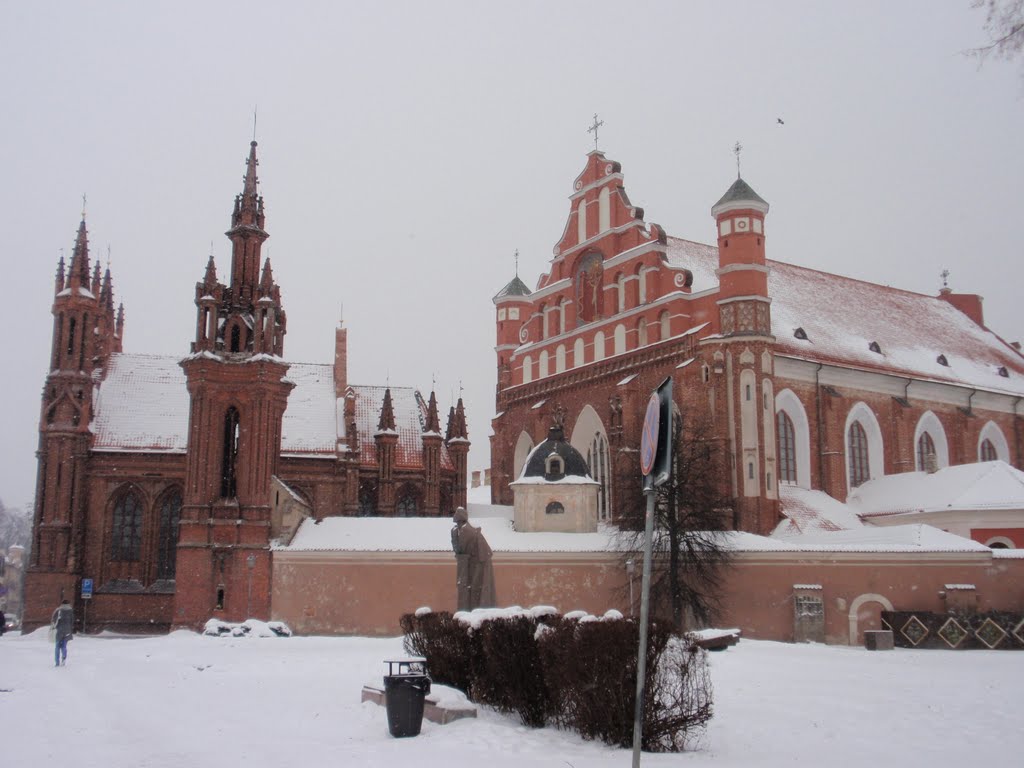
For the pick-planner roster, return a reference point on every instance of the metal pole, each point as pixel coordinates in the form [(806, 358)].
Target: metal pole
[(645, 599), (251, 562)]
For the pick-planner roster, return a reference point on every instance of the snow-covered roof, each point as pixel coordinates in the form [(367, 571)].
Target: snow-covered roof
[(807, 511), (432, 534), (988, 485), (142, 404), (842, 317)]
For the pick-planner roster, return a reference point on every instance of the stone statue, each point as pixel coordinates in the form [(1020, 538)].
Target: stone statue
[(474, 574)]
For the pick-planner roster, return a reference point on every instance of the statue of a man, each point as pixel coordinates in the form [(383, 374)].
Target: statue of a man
[(474, 573)]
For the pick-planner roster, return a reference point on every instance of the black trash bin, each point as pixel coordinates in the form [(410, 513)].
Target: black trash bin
[(405, 687)]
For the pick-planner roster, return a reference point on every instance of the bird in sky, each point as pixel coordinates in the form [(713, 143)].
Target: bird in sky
[(780, 121)]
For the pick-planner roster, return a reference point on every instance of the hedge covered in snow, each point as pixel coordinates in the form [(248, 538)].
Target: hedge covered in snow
[(574, 671)]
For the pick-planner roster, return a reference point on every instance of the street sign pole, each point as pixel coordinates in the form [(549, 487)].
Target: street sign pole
[(86, 597), (656, 466)]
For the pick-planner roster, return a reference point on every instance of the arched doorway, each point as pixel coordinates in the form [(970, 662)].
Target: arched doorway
[(866, 614)]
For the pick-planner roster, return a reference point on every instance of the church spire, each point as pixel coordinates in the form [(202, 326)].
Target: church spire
[(387, 413), (457, 427), (433, 423), (247, 236), (78, 271)]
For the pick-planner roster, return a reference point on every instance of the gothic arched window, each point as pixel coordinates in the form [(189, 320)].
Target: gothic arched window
[(787, 448), (926, 455), (127, 533), (367, 500), (857, 451), (236, 338), (988, 451), (229, 461), (167, 544), (408, 503), (597, 460)]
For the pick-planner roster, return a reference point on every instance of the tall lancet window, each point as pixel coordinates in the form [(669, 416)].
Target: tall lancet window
[(170, 513), (858, 455), (926, 456), (228, 474), (787, 448)]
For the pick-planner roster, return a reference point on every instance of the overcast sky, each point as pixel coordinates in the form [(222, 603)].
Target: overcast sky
[(408, 149)]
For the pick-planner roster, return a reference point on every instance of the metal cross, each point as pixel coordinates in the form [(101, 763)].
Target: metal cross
[(254, 110), (593, 129), (736, 151), (944, 274), (460, 389), (108, 255), (83, 205), (517, 262)]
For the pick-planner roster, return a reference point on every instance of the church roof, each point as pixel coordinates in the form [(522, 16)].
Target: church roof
[(740, 192), (987, 485), (573, 463), (841, 317), (142, 405), (516, 287)]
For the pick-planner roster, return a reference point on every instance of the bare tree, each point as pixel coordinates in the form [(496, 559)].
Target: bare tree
[(1004, 23), (692, 515)]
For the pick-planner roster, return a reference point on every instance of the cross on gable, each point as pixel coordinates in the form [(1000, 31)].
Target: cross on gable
[(593, 128)]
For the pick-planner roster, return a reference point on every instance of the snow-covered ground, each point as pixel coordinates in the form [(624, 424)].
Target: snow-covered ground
[(189, 700)]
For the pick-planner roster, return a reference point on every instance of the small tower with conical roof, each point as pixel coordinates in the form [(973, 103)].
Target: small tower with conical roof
[(741, 356)]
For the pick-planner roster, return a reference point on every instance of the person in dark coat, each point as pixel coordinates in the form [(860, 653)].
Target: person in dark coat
[(474, 575), (63, 622)]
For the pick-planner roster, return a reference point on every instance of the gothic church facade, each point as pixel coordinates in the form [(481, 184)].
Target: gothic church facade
[(166, 480), (812, 380)]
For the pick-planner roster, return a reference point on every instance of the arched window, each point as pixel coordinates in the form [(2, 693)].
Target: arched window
[(988, 451), (236, 338), (665, 324), (581, 221), (229, 460), (641, 333), (367, 500), (620, 339), (127, 533), (858, 455), (167, 543), (641, 285), (578, 353), (523, 447), (597, 460), (542, 365), (561, 315), (589, 276), (527, 370), (620, 293), (787, 448), (599, 345), (408, 503), (997, 447), (926, 458), (560, 358)]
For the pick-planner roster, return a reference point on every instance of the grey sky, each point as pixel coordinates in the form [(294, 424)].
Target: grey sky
[(407, 149)]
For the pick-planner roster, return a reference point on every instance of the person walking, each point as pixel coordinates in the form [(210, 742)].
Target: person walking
[(63, 622)]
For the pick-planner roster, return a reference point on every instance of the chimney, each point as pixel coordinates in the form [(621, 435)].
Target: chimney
[(340, 360), (968, 303)]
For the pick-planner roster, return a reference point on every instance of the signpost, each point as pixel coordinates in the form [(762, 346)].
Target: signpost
[(86, 596), (656, 465)]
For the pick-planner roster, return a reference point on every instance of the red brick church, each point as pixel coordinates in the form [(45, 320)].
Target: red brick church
[(166, 480), (813, 380)]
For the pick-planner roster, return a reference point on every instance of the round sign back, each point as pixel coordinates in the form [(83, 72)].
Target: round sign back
[(649, 437)]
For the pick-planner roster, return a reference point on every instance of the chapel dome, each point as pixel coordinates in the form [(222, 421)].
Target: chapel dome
[(555, 459)]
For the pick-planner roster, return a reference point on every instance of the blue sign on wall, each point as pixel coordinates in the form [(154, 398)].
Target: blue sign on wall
[(86, 589)]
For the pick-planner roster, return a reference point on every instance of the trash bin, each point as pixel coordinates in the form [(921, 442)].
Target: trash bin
[(405, 687)]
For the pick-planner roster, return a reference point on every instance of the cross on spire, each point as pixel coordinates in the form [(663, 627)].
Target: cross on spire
[(254, 110), (737, 148), (83, 205), (593, 128), (944, 274), (517, 262)]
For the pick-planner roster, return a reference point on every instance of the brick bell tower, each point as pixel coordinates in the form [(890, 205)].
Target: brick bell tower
[(86, 332), (238, 392), (741, 357)]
